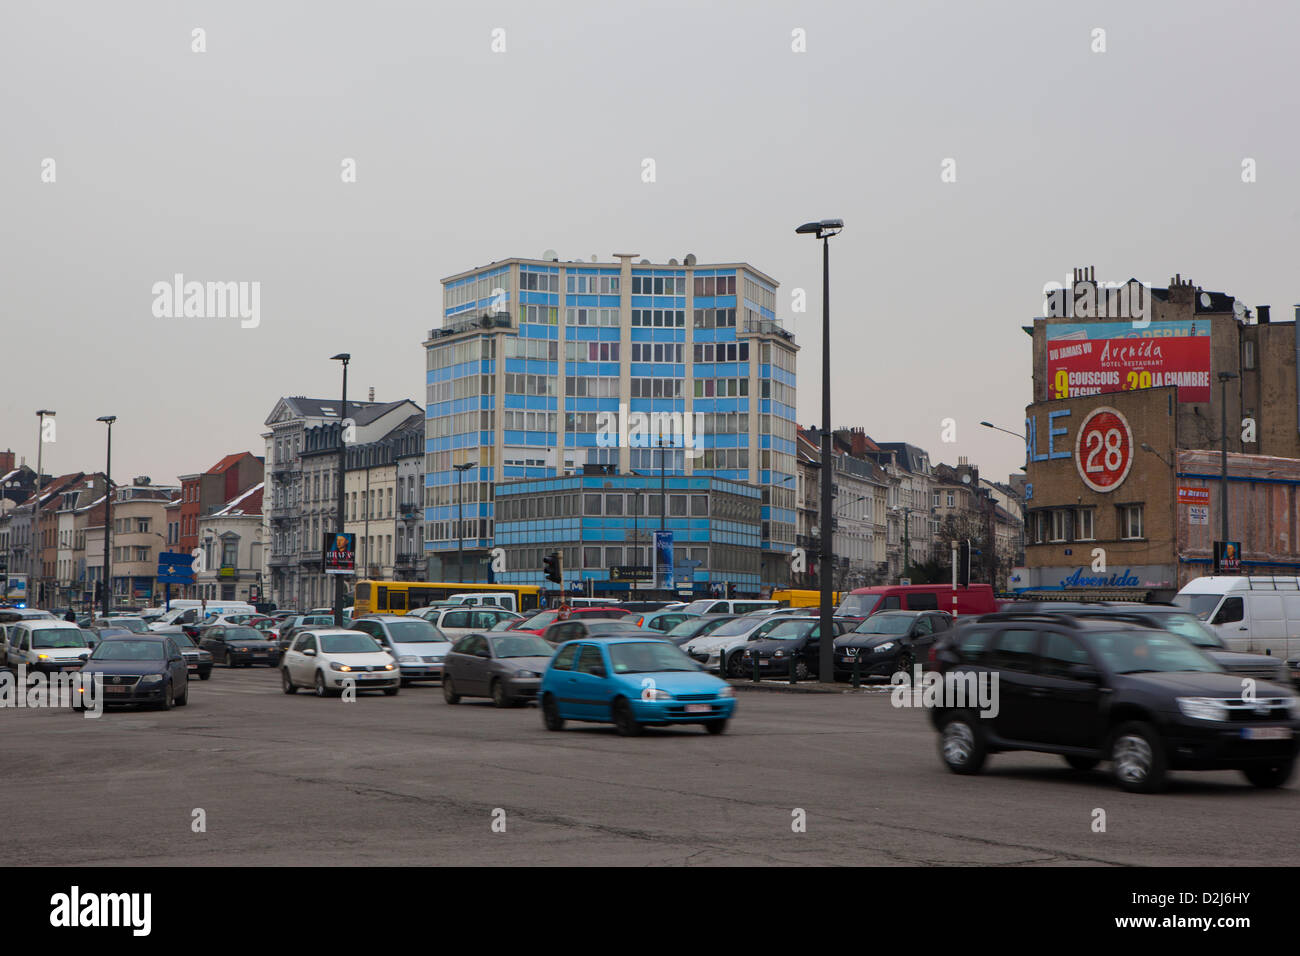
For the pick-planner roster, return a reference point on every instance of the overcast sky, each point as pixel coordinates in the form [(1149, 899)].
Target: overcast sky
[(225, 166)]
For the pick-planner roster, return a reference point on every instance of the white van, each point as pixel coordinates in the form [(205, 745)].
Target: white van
[(193, 612), (486, 599), (1255, 615), (729, 606)]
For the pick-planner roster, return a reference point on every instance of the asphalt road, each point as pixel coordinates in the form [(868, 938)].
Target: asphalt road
[(412, 780)]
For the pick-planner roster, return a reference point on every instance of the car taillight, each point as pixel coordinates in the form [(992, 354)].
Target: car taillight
[(640, 621)]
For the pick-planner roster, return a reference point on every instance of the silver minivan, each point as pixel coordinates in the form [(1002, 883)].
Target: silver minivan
[(418, 647)]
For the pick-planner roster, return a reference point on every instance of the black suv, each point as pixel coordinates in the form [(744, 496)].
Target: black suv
[(889, 641), (1092, 689)]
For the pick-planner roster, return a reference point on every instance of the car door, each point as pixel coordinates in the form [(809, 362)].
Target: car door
[(180, 674), (474, 668), (1013, 661), (921, 637), (1066, 694), (591, 686), (1232, 622), (302, 667), (456, 622), (211, 641)]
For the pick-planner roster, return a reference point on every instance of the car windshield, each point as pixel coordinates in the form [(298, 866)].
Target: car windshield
[(1185, 625), (648, 658), (124, 649), (47, 637), (1146, 651), (885, 624), (525, 645), (319, 620), (689, 628), (1202, 605), (699, 607), (357, 643), (858, 605), (790, 630), (182, 640), (611, 627), (415, 631), (133, 624), (740, 625), (539, 620), (505, 624), (244, 634)]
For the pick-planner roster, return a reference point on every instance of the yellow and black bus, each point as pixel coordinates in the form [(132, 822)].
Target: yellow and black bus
[(794, 597), (399, 597)]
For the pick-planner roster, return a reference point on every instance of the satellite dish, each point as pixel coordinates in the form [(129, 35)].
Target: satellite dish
[(1205, 300), (690, 259), (550, 255), (593, 258), (965, 479)]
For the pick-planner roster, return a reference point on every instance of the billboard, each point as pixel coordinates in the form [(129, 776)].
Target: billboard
[(339, 553), (1093, 358), (664, 558)]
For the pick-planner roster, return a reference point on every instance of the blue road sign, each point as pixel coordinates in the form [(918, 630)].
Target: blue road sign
[(175, 568)]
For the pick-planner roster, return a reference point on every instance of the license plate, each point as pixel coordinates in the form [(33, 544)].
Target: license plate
[(1266, 733), (698, 709), (117, 690), (764, 663), (193, 667)]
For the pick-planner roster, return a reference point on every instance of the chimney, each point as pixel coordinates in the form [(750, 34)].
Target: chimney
[(372, 393), (1262, 312), (6, 462)]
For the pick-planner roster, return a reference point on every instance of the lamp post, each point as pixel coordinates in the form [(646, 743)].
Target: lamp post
[(460, 528), (1024, 502), (823, 230), (1224, 379), (108, 506), (37, 569), (343, 357)]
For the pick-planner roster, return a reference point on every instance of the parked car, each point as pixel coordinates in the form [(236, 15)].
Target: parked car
[(418, 647), (632, 682), (540, 621), (46, 645), (728, 606), (327, 659), (285, 633), (1252, 614), (794, 644), (663, 620), (197, 660), (134, 625), (646, 607), (722, 650), (1169, 617), (863, 602), (140, 669), (694, 627), (506, 667), (457, 621), (575, 629), (889, 642), (1094, 689), (239, 646)]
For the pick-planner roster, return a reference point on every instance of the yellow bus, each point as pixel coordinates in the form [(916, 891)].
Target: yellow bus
[(792, 597), (399, 597)]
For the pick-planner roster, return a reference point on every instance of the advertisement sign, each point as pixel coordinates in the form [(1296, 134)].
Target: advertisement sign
[(1193, 496), (1227, 556), (1103, 449), (664, 557), (630, 572), (1093, 358), (1198, 514), (339, 553)]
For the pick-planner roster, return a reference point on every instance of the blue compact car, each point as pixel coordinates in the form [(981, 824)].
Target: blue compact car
[(631, 682)]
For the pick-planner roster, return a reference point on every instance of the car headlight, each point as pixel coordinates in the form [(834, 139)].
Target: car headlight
[(727, 691), (528, 674), (148, 679), (881, 648), (242, 650), (336, 666), (389, 667), (408, 659), (654, 693), (1293, 704), (778, 653), (42, 657), (1202, 708)]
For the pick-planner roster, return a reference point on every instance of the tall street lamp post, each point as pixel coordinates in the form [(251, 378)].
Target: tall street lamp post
[(108, 506), (823, 230), (460, 523), (1224, 379), (37, 550), (343, 357)]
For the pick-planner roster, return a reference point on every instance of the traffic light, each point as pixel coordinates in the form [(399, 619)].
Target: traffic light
[(731, 589), (963, 563), (99, 591), (553, 565)]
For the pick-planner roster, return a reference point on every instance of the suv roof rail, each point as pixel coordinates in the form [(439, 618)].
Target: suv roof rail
[(1054, 616)]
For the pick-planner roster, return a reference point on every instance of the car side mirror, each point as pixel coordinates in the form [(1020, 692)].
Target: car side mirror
[(599, 670), (1084, 672), (309, 653), (83, 657)]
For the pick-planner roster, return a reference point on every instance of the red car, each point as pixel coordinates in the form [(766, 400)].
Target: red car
[(540, 621)]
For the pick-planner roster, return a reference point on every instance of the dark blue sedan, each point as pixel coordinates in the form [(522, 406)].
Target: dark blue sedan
[(140, 669)]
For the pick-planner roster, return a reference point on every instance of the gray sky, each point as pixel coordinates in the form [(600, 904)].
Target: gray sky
[(225, 165)]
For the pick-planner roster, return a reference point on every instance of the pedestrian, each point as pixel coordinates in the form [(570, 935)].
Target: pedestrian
[(70, 616)]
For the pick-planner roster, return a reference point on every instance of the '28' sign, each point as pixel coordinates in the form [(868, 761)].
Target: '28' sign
[(1103, 449)]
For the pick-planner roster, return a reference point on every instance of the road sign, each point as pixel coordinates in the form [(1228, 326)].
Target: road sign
[(1103, 449), (175, 568)]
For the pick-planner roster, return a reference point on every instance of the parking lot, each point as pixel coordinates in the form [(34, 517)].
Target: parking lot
[(411, 780)]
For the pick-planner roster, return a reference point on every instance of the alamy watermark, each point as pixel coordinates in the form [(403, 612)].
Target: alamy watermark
[(952, 690), (59, 689), (179, 299), (629, 429)]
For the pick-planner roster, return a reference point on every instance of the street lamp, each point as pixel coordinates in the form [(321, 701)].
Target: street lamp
[(37, 550), (460, 523), (108, 505), (343, 357), (1224, 379), (823, 230)]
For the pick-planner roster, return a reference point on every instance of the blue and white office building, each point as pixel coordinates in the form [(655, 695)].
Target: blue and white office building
[(536, 357)]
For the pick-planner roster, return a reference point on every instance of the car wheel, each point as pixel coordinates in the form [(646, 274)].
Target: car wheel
[(499, 696), (204, 675), (287, 682), (716, 727), (551, 713), (1138, 758), (448, 692), (736, 665), (322, 690), (1270, 775), (166, 698), (801, 671), (392, 691), (230, 660), (1081, 763), (904, 664), (625, 721), (184, 699), (961, 744)]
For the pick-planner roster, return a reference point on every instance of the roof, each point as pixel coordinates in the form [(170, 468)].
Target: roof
[(247, 502), (363, 413), (227, 462)]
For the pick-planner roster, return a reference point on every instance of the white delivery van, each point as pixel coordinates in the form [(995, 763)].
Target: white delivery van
[(194, 612), (486, 599), (1255, 615)]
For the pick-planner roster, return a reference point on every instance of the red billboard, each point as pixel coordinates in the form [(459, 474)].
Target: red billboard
[(1093, 358)]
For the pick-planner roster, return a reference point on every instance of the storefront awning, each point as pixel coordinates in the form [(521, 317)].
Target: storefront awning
[(1087, 594)]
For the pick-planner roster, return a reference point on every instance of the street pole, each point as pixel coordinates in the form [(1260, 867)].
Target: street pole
[(343, 357), (907, 539), (1224, 378), (460, 531), (37, 569), (108, 507)]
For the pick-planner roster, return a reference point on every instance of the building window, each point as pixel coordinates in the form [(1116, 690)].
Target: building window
[(1130, 522), (1084, 529), (1058, 524), (952, 500)]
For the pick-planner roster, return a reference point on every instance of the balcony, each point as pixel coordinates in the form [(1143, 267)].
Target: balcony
[(410, 511), (280, 561), (310, 557), (410, 561)]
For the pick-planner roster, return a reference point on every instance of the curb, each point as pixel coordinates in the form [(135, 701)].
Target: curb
[(810, 687)]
